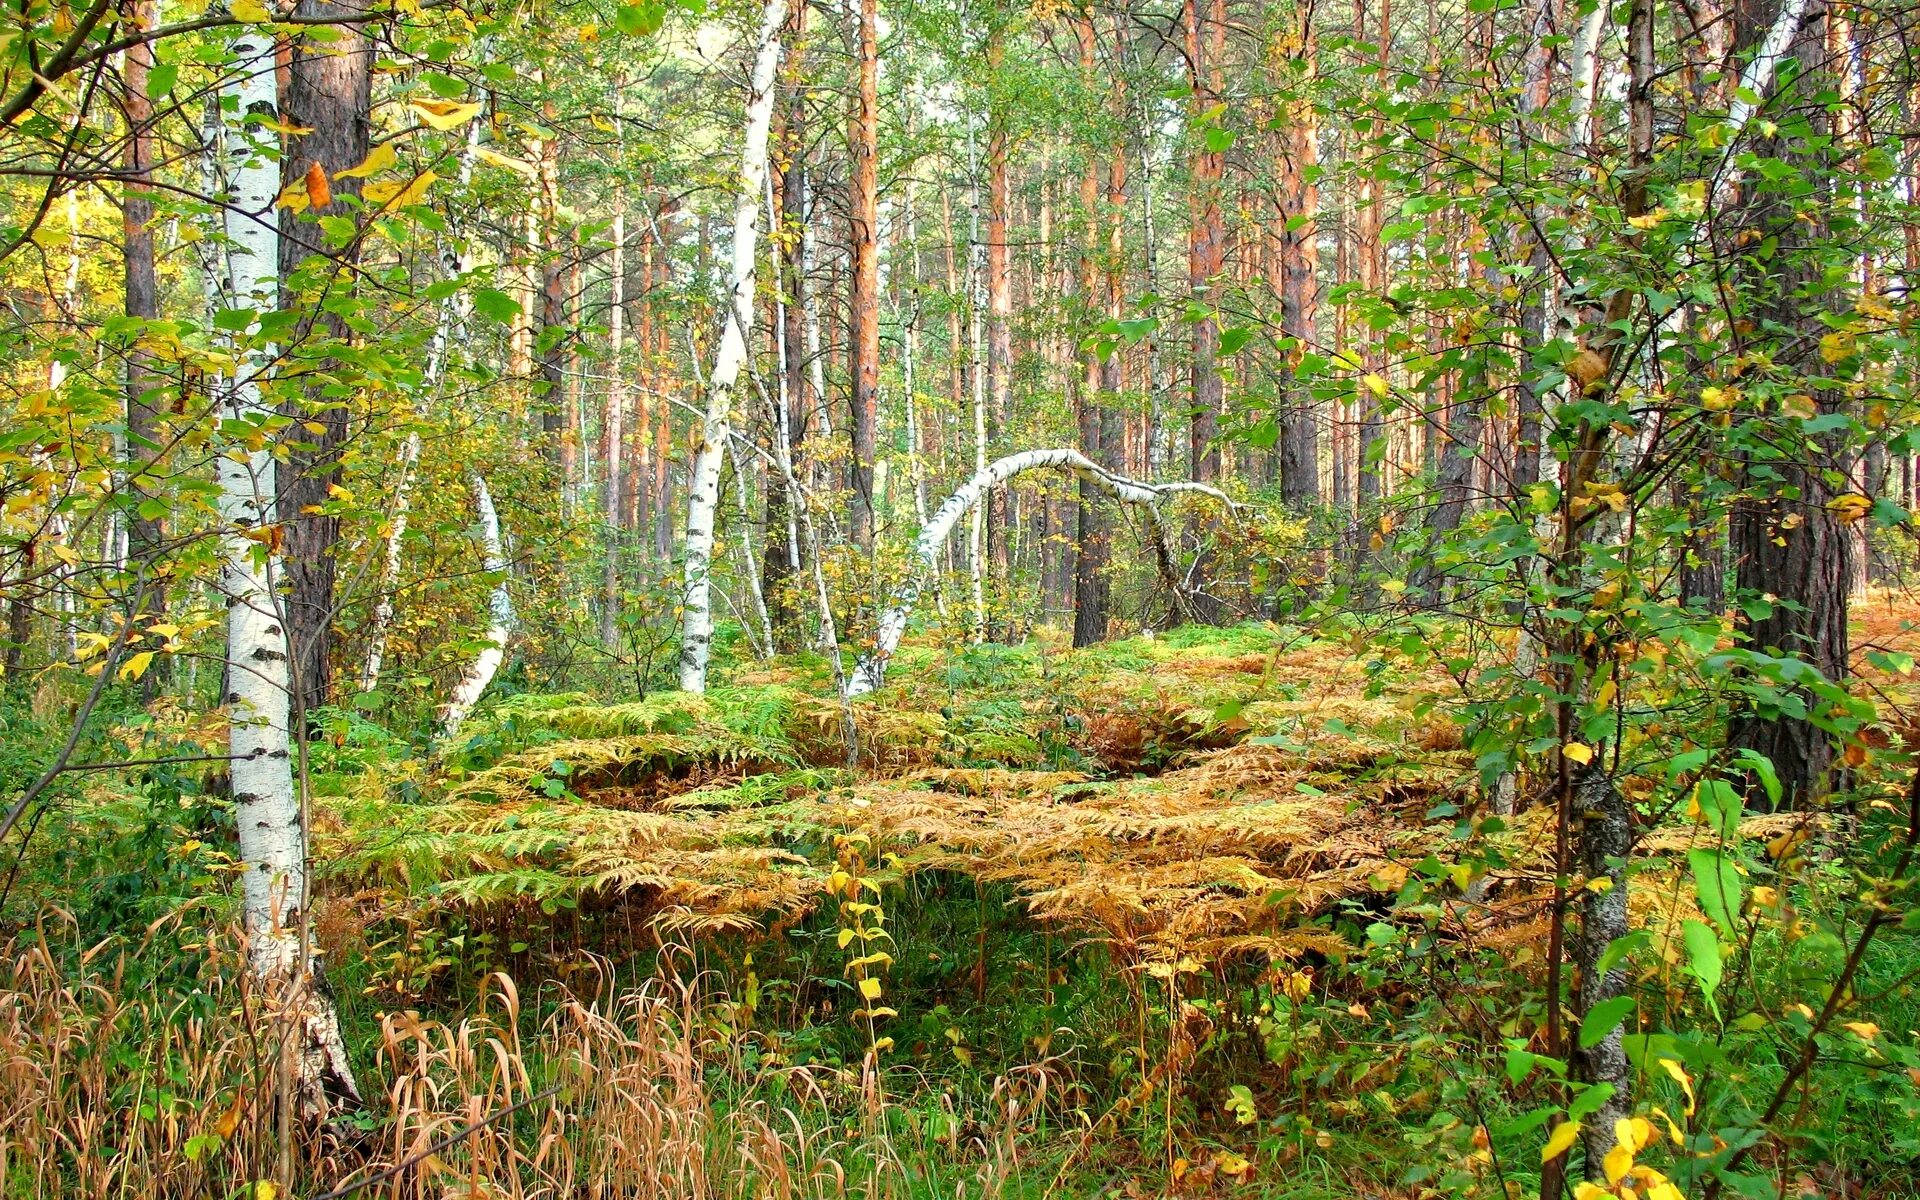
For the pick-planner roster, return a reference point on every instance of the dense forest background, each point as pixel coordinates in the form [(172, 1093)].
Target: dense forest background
[(965, 598)]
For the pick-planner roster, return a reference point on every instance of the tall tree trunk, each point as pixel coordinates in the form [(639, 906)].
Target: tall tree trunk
[(696, 627), (554, 256), (863, 240), (1299, 287), (1091, 586), (1206, 239), (1786, 543), (790, 400), (272, 832), (330, 93), (615, 426), (999, 288), (1369, 210), (146, 533)]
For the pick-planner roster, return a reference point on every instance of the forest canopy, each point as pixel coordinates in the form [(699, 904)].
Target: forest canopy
[(779, 599)]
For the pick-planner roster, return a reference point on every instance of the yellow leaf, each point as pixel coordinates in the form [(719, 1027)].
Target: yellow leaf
[(253, 13), (1849, 508), (846, 936), (1680, 1077), (1635, 1133), (1234, 1166), (1648, 220), (1578, 752), (135, 666), (265, 1189), (1376, 384), (1865, 1030), (445, 114), (503, 160), (1561, 1140), (1662, 1188), (1836, 346), (870, 988), (378, 159), (388, 194), (1587, 368), (1590, 1191), (1618, 1162)]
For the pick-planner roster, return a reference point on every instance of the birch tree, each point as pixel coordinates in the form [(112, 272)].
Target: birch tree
[(268, 812), (703, 501)]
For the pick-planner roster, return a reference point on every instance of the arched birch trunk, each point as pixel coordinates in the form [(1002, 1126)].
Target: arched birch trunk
[(267, 809), (696, 622), (872, 671), (500, 618)]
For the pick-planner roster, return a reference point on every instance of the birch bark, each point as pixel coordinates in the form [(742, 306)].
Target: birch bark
[(267, 810), (696, 628), (500, 617)]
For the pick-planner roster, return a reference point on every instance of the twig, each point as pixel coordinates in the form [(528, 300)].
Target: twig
[(80, 720), (436, 1147)]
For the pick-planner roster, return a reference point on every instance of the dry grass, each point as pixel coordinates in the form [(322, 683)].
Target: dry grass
[(642, 1092)]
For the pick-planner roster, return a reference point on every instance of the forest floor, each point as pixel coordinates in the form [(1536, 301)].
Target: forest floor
[(1212, 910)]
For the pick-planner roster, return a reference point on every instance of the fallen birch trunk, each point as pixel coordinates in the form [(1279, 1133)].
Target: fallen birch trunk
[(872, 671)]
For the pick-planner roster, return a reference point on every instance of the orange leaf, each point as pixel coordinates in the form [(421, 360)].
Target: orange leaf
[(319, 195)]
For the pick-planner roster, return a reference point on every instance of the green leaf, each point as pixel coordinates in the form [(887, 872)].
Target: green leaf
[(1720, 805), (1589, 1101), (1618, 949), (160, 80), (1519, 1065), (1717, 886), (1762, 768), (1603, 1019), (640, 20), (1703, 957), (496, 305)]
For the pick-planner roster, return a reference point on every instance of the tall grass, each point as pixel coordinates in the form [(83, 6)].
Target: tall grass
[(109, 1091)]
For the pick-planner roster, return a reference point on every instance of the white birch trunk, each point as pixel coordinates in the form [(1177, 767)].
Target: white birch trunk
[(696, 622), (1757, 80), (500, 618), (267, 809), (872, 670), (390, 567), (976, 305)]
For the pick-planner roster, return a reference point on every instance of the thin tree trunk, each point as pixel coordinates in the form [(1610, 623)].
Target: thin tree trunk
[(696, 628), (1205, 44), (146, 533), (615, 426), (1299, 287), (863, 238), (500, 617), (1000, 528)]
